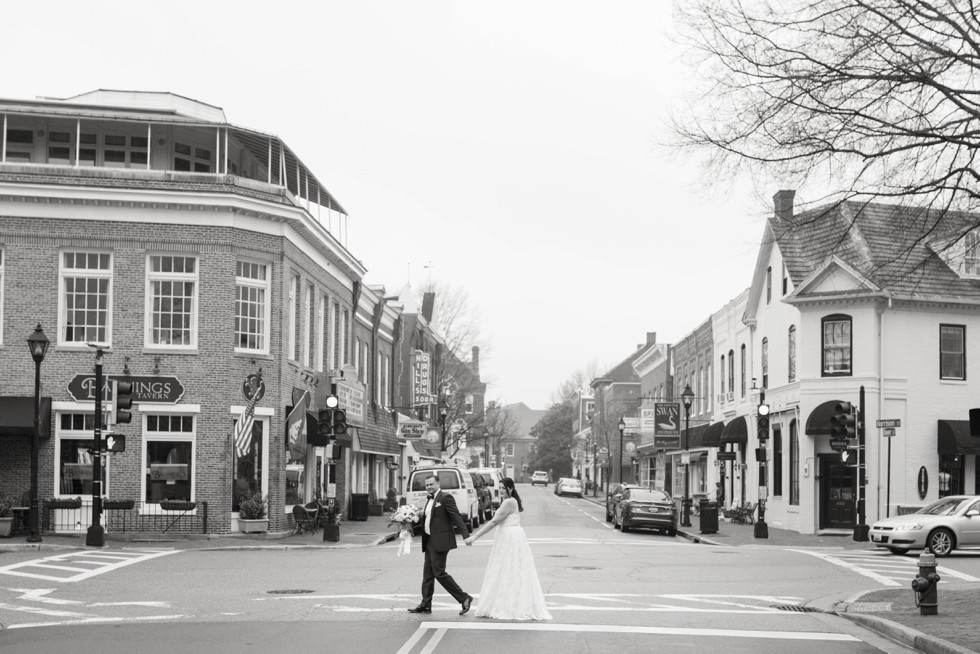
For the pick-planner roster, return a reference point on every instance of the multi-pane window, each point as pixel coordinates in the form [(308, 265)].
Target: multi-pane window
[(291, 309), (794, 464), (172, 284), (252, 306), (768, 284), (777, 461), (20, 145), (836, 344), (307, 323), (791, 353), (122, 151), (2, 276), (731, 372), (765, 363), (75, 455), (169, 458), (86, 297), (971, 260), (191, 158), (743, 370), (952, 351), (60, 148), (509, 449), (321, 317), (468, 403)]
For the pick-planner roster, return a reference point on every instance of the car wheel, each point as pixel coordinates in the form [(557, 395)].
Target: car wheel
[(899, 551), (615, 521), (608, 516), (625, 527), (941, 542), (671, 532)]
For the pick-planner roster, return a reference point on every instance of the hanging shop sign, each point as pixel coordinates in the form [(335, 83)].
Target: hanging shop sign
[(422, 365), (350, 396), (667, 425), (163, 390)]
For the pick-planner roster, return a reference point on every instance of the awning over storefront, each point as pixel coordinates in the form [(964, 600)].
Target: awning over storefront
[(706, 435), (818, 422), (373, 441), (17, 416), (954, 438), (736, 432)]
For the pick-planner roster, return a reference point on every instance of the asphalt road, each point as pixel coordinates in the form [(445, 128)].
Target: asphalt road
[(608, 592)]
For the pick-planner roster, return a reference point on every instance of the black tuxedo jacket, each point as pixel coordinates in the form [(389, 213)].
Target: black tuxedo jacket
[(445, 515)]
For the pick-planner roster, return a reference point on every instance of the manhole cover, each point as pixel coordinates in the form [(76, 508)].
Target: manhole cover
[(798, 609), (556, 556), (288, 591), (584, 567)]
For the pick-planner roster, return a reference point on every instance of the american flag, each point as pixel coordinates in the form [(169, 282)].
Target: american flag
[(243, 429)]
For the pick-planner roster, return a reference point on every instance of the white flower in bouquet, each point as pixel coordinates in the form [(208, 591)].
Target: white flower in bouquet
[(406, 516)]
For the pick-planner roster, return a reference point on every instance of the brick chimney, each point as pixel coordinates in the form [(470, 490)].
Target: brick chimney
[(475, 362), (783, 203)]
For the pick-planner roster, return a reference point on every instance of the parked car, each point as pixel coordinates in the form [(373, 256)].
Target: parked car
[(486, 497), (948, 523), (452, 479), (612, 499), (539, 477), (569, 486), (644, 507), (492, 477)]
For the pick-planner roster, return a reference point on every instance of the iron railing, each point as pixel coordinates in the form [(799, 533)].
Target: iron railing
[(126, 516)]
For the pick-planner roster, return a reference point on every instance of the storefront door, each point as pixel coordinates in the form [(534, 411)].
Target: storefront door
[(837, 493)]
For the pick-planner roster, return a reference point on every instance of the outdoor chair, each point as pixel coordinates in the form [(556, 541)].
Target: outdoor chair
[(305, 521), (731, 512), (746, 514)]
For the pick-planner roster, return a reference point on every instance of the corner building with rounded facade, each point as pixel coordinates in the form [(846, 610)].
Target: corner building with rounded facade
[(197, 253)]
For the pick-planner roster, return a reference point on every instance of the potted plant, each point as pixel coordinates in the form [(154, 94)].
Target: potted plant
[(252, 514), (391, 501), (6, 516)]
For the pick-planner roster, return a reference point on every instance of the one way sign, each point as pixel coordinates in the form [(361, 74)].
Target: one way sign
[(115, 443)]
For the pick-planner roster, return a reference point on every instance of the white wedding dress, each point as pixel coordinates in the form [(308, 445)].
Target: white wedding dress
[(511, 590)]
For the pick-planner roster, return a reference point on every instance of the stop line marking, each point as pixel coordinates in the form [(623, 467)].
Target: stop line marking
[(437, 630), (883, 568), (85, 564)]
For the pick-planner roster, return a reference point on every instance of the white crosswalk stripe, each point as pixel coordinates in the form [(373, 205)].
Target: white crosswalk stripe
[(886, 569), (80, 563)]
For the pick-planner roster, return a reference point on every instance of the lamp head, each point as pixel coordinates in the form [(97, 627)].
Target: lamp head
[(621, 425), (38, 344), (687, 397)]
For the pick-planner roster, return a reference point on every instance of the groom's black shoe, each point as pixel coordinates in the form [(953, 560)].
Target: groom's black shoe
[(466, 605), (421, 608)]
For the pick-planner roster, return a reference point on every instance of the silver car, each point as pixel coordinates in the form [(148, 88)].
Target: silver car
[(947, 524)]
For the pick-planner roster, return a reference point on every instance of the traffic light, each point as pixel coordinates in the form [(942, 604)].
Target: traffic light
[(122, 400), (762, 421), (115, 443), (324, 426), (843, 424), (339, 422)]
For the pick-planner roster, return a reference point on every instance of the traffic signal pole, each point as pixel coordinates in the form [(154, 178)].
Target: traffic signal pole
[(95, 537), (861, 529)]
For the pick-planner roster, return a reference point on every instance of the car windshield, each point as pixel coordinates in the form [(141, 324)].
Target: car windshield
[(945, 506), (572, 482), (644, 495)]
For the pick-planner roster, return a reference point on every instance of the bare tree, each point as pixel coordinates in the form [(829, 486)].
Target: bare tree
[(577, 381), (500, 426), (871, 99)]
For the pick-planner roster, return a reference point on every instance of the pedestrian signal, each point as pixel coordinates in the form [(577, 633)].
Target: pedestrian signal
[(115, 443)]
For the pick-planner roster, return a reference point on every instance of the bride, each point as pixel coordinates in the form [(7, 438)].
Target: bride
[(510, 589)]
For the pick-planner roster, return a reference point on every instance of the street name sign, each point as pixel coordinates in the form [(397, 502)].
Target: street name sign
[(894, 422), (888, 432)]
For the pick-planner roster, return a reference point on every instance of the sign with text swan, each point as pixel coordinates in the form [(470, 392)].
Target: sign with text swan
[(667, 425)]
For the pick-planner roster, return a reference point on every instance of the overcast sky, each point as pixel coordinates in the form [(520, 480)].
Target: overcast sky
[(512, 149)]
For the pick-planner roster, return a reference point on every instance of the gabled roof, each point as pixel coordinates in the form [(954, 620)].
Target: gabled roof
[(893, 250), (524, 416)]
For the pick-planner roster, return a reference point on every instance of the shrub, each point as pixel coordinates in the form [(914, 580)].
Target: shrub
[(252, 507), (6, 507)]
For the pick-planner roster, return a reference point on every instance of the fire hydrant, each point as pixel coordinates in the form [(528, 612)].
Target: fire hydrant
[(925, 585)]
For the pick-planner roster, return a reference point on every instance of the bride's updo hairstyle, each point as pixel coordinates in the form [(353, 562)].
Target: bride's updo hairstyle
[(508, 483)]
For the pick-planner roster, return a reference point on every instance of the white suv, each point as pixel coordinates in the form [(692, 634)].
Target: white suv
[(453, 480), (539, 477), (492, 476)]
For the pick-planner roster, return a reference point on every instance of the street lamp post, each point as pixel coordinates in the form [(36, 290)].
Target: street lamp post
[(622, 427), (687, 397), (38, 344), (443, 412)]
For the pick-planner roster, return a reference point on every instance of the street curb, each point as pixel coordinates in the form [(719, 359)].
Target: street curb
[(905, 635)]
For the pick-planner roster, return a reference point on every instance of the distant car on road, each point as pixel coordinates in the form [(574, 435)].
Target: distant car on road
[(492, 477), (949, 523), (643, 507), (568, 486), (539, 477)]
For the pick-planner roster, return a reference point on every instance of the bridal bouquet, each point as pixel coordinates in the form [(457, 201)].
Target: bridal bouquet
[(406, 516)]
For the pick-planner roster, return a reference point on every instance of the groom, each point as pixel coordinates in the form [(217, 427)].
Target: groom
[(438, 537)]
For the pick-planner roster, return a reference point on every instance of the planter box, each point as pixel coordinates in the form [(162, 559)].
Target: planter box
[(118, 505), (258, 526), (5, 526), (177, 505)]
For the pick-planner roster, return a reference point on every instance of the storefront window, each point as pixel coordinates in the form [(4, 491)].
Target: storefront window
[(295, 482), (248, 467), (169, 458), (75, 455)]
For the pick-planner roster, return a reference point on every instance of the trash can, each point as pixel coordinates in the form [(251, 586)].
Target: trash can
[(709, 517), (359, 506)]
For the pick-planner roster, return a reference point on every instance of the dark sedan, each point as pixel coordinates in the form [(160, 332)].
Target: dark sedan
[(642, 507)]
